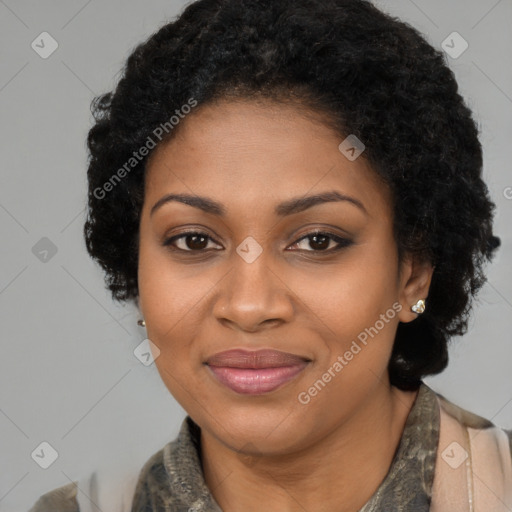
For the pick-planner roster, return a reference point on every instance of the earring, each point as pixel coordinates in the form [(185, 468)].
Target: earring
[(419, 307), (141, 322)]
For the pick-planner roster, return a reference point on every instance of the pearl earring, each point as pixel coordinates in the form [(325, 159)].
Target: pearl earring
[(419, 307)]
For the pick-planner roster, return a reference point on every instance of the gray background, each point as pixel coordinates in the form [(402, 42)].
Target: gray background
[(68, 374)]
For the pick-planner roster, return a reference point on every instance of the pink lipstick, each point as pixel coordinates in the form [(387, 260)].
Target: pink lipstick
[(255, 372)]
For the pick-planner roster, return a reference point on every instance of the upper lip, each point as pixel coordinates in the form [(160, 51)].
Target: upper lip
[(266, 358)]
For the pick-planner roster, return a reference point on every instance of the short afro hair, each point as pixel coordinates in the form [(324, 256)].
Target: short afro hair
[(370, 75)]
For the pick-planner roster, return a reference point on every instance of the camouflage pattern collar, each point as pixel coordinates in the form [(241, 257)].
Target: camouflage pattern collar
[(407, 485)]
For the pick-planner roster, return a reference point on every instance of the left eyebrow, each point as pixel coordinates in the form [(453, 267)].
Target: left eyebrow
[(289, 207), (300, 204)]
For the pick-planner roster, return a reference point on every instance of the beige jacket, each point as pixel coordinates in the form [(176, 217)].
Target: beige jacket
[(474, 464)]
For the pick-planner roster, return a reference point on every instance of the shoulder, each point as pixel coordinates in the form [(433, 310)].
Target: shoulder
[(474, 458), (109, 487), (162, 479), (477, 425), (474, 461), (105, 490), (61, 499), (152, 476), (173, 479), (116, 489), (474, 422)]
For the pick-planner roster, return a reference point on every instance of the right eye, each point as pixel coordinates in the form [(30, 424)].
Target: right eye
[(190, 241)]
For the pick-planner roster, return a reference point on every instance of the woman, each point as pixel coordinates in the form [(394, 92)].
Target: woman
[(291, 192)]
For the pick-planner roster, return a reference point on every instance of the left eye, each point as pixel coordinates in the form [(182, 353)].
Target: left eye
[(194, 241), (321, 241)]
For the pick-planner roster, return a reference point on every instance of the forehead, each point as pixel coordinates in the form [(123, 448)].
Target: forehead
[(257, 152)]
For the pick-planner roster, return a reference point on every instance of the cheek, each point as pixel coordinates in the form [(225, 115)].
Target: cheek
[(168, 292), (167, 303), (353, 307), (172, 300), (357, 321), (352, 295)]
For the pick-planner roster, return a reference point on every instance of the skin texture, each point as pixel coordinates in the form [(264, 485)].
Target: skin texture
[(271, 452)]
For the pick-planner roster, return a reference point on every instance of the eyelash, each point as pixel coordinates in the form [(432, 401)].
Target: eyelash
[(342, 242)]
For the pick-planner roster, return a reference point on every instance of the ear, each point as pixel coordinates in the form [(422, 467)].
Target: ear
[(415, 279)]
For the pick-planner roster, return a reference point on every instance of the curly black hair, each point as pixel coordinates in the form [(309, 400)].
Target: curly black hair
[(368, 74)]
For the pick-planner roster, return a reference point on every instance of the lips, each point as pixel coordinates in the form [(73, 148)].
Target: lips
[(254, 359), (255, 372)]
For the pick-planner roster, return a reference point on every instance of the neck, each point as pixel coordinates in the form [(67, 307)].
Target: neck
[(339, 472)]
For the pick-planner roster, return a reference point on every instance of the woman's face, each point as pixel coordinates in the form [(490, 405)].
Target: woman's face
[(252, 279)]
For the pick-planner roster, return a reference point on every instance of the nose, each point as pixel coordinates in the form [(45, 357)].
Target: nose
[(253, 296)]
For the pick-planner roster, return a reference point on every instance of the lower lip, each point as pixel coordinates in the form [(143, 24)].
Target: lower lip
[(251, 381)]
